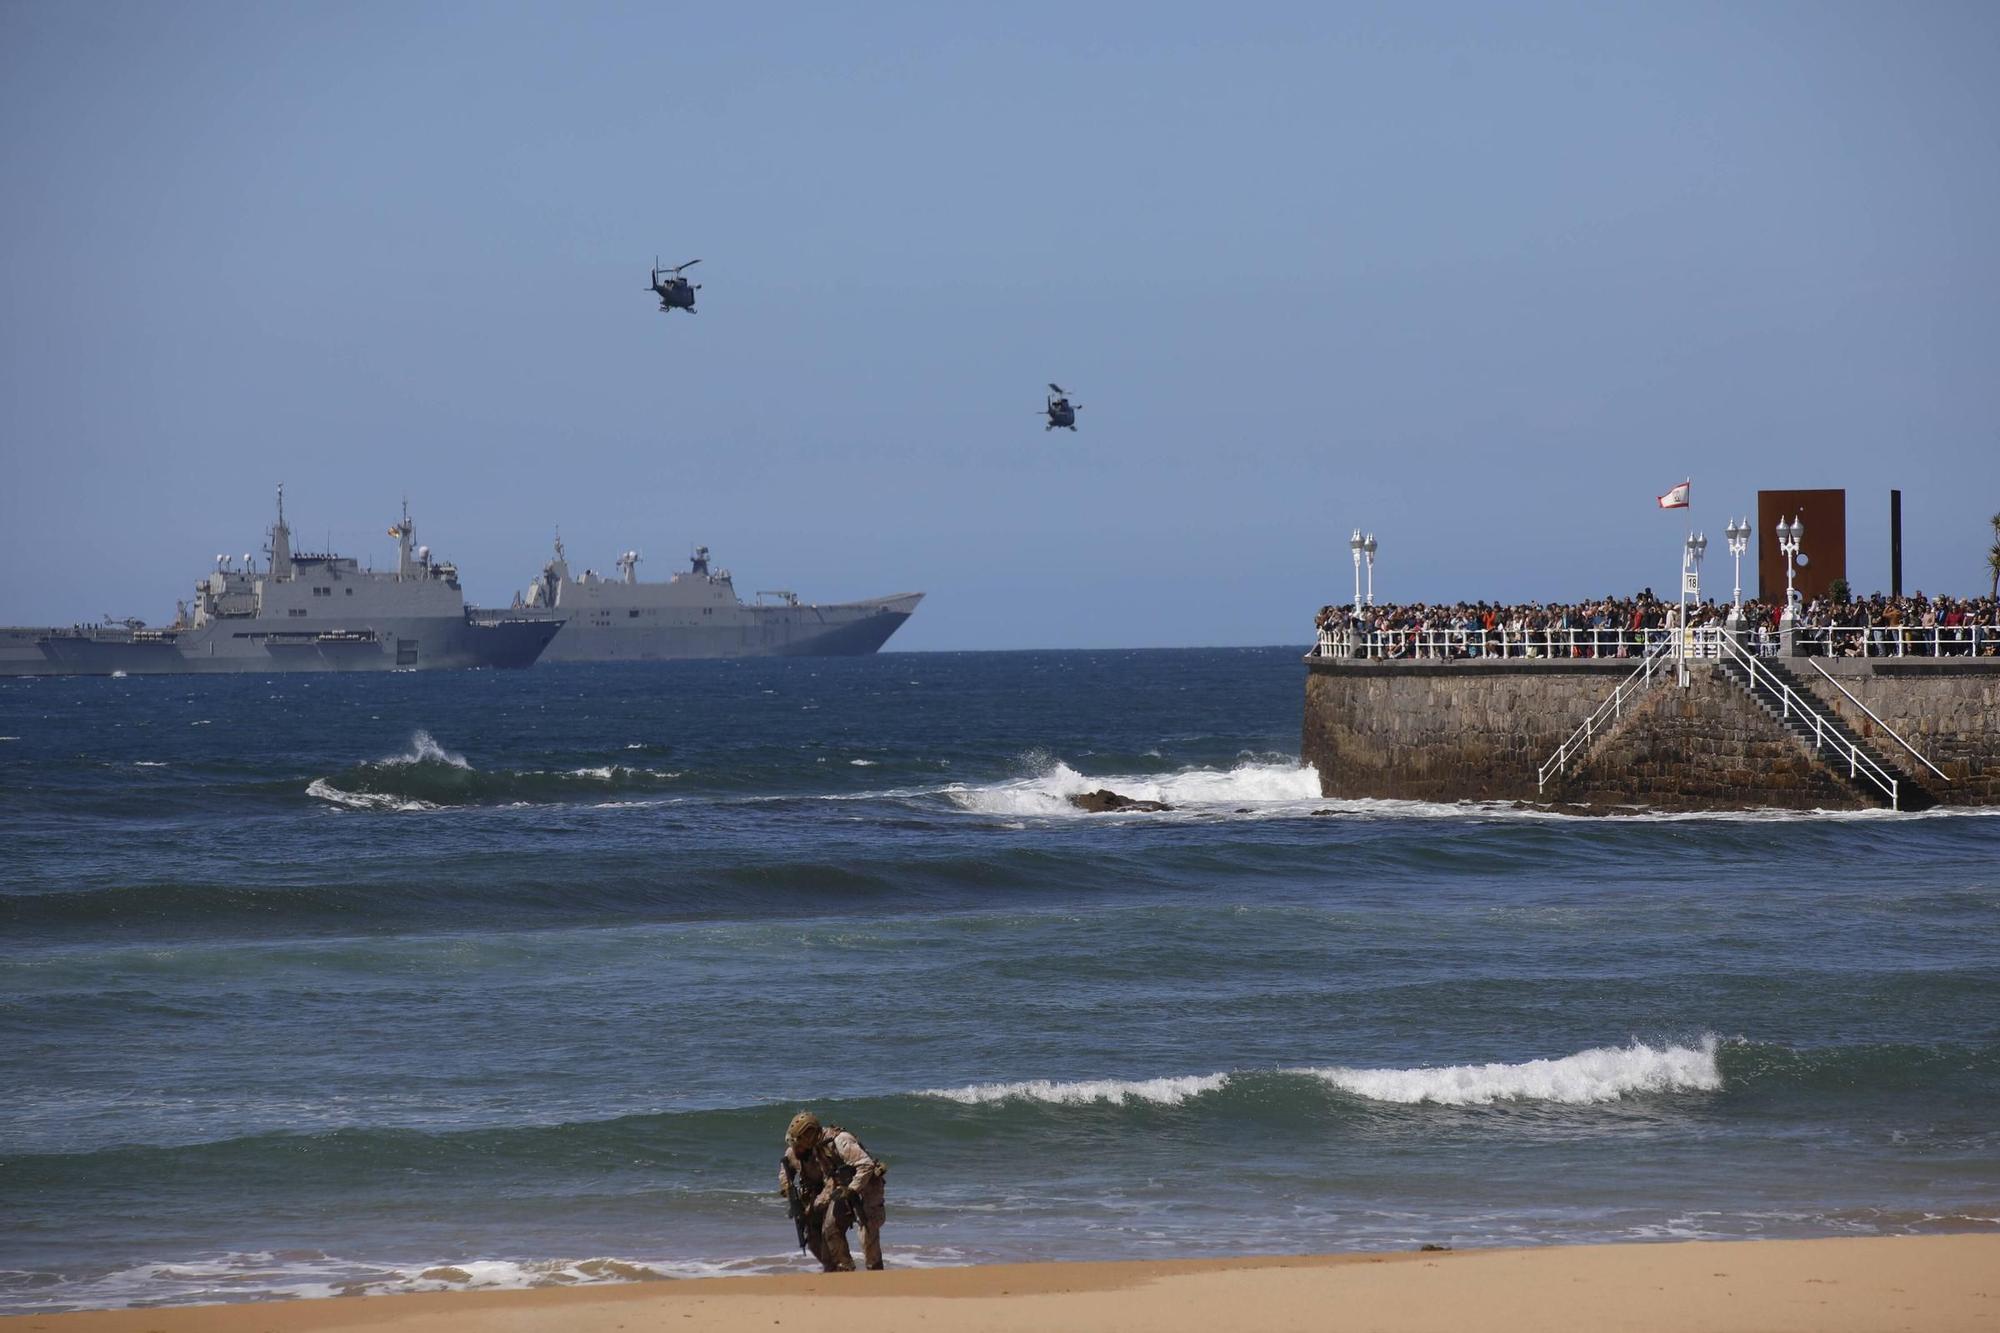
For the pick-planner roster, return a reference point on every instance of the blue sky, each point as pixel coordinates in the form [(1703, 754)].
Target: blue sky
[(1483, 279)]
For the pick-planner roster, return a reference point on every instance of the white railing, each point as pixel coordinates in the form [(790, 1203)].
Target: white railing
[(1459, 645), (1899, 640), (1607, 713), (1345, 640), (1897, 736), (1333, 642), (1825, 733)]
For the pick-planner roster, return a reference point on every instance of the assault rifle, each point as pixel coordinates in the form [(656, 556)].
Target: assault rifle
[(798, 1207)]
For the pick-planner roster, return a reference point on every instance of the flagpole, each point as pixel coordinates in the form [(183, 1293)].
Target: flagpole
[(1687, 549)]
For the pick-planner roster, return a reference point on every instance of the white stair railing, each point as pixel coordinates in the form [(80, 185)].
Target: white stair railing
[(1825, 734), (1892, 732), (1607, 713)]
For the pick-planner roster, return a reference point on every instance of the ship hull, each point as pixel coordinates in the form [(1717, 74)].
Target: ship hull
[(405, 643), (853, 629)]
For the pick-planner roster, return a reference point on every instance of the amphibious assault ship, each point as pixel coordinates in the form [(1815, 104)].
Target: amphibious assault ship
[(301, 612), (697, 613)]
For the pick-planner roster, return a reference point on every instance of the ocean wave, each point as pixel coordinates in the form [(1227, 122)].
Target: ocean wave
[(321, 789), (625, 886), (429, 777), (1260, 785), (234, 1276), (1160, 1091), (1584, 1087), (424, 749), (1603, 1074), (310, 1275)]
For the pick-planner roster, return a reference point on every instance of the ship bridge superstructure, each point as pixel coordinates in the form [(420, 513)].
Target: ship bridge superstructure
[(322, 585)]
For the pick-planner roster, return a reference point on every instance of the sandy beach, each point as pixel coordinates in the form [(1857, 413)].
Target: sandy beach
[(1826, 1286)]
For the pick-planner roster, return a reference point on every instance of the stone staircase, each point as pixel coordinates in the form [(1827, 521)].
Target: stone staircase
[(1910, 793), (1610, 717)]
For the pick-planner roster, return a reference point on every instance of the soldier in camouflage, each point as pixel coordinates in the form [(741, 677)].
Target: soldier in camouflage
[(843, 1185)]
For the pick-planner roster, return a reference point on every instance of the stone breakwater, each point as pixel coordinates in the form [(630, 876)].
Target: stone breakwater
[(1480, 730)]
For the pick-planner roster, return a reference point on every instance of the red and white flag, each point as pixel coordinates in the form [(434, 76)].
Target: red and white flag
[(1677, 498)]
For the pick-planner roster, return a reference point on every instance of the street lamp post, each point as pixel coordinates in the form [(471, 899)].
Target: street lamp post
[(1354, 545), (1738, 533), (1368, 549), (1789, 536), (1691, 555)]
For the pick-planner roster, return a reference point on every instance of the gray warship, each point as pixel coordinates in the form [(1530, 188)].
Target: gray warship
[(697, 614), (301, 612)]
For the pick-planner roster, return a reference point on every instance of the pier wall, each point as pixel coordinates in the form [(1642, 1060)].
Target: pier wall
[(1478, 731), (1949, 709)]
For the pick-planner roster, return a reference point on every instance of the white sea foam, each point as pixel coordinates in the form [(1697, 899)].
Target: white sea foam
[(424, 750), (1602, 1074), (862, 763), (306, 1274), (613, 772), (1162, 1091), (363, 800), (1264, 786)]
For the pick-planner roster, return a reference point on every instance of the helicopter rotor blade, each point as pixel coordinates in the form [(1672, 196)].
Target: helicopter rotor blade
[(690, 264), (1055, 388)]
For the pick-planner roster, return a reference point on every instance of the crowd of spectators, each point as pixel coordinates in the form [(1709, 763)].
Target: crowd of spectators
[(1877, 626)]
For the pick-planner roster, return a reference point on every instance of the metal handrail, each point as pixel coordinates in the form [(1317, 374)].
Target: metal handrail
[(1332, 643), (1514, 645), (1614, 704), (1878, 721), (1967, 639), (1430, 643), (1859, 763)]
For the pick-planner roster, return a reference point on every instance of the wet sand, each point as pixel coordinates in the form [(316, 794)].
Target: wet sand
[(1822, 1286)]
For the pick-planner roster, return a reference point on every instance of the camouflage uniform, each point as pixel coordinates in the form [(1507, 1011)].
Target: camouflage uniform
[(808, 1174), (850, 1192)]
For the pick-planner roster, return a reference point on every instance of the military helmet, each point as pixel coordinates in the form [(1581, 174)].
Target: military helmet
[(801, 1123)]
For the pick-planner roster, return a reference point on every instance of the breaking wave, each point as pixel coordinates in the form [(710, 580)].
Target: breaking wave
[(310, 1274), (1595, 1089), (321, 789), (1160, 1091), (1603, 1074), (1264, 785), (425, 750), (428, 777)]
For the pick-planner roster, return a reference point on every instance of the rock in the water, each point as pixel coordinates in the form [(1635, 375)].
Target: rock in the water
[(1105, 800)]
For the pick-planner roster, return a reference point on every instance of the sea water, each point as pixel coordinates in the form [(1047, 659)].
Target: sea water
[(328, 984)]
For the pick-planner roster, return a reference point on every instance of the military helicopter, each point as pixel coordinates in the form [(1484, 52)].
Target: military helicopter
[(1061, 411), (675, 292)]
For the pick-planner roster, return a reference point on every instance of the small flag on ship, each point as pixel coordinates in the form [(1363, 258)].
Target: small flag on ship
[(1677, 498)]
